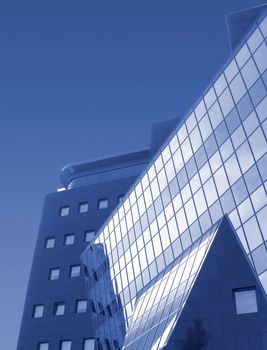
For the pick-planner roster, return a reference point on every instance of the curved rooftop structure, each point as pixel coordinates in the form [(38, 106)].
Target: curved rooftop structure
[(87, 172)]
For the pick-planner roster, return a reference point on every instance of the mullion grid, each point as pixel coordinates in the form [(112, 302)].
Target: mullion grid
[(229, 187)]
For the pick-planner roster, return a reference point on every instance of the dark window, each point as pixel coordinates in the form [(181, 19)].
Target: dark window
[(85, 271), (92, 305)]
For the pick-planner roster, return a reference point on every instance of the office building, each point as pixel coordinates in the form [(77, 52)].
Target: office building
[(181, 263), (56, 314)]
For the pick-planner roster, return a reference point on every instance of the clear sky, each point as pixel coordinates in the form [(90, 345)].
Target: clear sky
[(81, 79)]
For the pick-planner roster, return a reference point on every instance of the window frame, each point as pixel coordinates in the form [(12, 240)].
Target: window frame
[(66, 238), (47, 239), (80, 208), (77, 306), (100, 201), (84, 343), (73, 266), (62, 209), (35, 306), (65, 341), (88, 232), (245, 289), (43, 343), (50, 273), (57, 305)]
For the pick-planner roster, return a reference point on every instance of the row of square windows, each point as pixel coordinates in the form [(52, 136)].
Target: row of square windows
[(59, 308), (84, 207), (88, 344), (75, 271), (69, 239), (245, 302)]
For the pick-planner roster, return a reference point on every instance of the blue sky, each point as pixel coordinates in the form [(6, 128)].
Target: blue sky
[(81, 79)]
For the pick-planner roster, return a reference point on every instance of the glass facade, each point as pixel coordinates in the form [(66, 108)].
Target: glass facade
[(213, 164)]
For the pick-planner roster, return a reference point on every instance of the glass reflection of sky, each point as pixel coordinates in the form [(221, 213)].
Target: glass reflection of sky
[(213, 164)]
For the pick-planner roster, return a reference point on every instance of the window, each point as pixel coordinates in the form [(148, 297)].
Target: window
[(108, 311), (120, 198), (85, 270), (54, 274), (92, 304), (102, 203), (50, 242), (108, 346), (89, 235), (94, 274), (59, 309), (101, 309), (75, 270), (65, 345), (83, 207), (81, 306), (43, 346), (64, 211), (88, 344), (69, 239), (38, 311), (245, 300), (116, 344)]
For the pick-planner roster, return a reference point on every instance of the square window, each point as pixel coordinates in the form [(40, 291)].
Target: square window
[(120, 198), (50, 243), (43, 346), (65, 345), (89, 235), (59, 309), (75, 270), (102, 203), (245, 301), (88, 344), (64, 211), (81, 306), (83, 207), (69, 239), (38, 311), (54, 274)]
